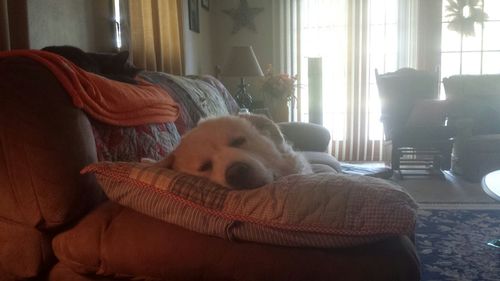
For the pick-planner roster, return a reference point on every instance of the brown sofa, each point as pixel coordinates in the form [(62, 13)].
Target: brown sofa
[(56, 224)]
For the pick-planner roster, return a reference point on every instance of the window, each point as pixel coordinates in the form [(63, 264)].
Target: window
[(382, 55), (353, 38), (323, 32), (479, 54)]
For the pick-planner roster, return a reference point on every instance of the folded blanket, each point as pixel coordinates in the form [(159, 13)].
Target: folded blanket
[(108, 101)]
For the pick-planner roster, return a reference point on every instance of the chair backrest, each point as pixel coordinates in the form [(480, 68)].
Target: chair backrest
[(475, 99), (400, 91)]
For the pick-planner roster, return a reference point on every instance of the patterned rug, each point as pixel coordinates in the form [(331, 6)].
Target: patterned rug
[(452, 244)]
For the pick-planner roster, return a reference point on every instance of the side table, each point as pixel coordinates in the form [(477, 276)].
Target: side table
[(491, 186)]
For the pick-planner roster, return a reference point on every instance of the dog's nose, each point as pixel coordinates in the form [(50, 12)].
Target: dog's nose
[(239, 175)]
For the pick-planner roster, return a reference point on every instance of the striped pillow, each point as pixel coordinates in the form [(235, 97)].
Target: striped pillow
[(319, 210)]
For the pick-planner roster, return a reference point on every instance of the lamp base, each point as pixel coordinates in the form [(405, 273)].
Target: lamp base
[(243, 99)]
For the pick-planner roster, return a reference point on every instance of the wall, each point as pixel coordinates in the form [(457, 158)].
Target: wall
[(198, 55), (262, 40), (82, 23)]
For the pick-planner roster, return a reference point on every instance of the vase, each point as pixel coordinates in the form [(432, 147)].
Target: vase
[(278, 109)]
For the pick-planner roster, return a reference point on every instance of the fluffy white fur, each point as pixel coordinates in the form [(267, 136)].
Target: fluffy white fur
[(245, 151)]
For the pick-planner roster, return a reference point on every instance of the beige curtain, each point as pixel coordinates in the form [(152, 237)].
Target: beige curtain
[(13, 25), (156, 35)]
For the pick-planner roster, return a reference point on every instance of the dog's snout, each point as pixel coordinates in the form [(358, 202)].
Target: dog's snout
[(240, 175)]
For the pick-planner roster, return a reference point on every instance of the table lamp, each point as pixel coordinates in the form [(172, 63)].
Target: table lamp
[(242, 63)]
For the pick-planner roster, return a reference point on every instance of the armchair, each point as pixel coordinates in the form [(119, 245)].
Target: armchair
[(474, 112), (414, 122)]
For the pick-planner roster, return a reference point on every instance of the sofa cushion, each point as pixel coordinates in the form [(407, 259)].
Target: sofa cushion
[(318, 210), (24, 251), (198, 97), (44, 142), (117, 241)]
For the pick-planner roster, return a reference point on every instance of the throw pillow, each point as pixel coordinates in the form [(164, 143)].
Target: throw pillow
[(319, 210)]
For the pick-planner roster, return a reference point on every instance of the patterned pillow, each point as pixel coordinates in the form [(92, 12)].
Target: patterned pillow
[(198, 97), (115, 143), (319, 210)]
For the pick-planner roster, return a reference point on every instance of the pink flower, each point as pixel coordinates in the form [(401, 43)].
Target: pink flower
[(281, 86)]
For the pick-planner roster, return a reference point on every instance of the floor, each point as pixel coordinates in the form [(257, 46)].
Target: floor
[(452, 191)]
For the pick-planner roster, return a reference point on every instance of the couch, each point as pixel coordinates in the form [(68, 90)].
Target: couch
[(474, 102), (44, 143)]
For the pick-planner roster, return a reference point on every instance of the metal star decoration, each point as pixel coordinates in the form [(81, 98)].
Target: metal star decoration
[(243, 16)]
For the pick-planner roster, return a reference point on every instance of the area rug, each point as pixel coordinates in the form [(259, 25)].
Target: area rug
[(452, 244)]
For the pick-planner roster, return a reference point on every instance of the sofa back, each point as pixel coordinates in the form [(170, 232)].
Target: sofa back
[(474, 102), (45, 141)]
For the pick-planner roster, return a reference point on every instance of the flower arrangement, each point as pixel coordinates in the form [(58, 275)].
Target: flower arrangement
[(280, 86)]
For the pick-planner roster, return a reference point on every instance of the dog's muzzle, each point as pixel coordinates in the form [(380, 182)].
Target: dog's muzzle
[(242, 176)]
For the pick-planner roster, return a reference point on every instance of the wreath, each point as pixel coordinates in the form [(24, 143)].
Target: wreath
[(464, 14)]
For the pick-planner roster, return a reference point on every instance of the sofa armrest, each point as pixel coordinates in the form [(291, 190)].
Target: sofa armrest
[(306, 136)]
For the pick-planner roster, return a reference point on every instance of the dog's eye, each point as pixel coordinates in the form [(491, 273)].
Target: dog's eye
[(207, 166), (237, 142)]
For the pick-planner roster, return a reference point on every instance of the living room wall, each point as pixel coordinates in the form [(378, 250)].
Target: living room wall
[(205, 50), (82, 23), (198, 55)]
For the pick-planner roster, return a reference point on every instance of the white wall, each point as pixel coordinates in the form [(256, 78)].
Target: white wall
[(205, 50), (82, 23), (198, 54), (261, 40)]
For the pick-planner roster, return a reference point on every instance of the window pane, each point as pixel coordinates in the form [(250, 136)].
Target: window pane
[(471, 63), (450, 64), (391, 61), (391, 38), (377, 12), (491, 62), (377, 34), (492, 8), (375, 128), (450, 40), (392, 11), (473, 43), (491, 38), (444, 12)]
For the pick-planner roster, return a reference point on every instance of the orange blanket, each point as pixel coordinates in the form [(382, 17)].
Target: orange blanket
[(109, 101)]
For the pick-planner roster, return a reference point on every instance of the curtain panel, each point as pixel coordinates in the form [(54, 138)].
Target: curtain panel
[(13, 25), (156, 35)]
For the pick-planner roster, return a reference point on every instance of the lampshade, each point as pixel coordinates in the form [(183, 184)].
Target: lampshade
[(242, 62)]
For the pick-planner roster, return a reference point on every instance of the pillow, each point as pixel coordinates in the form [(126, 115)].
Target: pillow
[(317, 210), (428, 113), (129, 144)]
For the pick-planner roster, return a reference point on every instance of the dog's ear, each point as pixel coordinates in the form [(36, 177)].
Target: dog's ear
[(266, 127), (167, 162)]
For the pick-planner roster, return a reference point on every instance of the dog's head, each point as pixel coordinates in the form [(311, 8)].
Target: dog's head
[(245, 151)]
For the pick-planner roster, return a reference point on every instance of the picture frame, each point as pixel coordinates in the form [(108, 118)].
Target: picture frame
[(205, 4), (194, 15)]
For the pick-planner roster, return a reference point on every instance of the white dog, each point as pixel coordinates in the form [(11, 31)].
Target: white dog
[(241, 152)]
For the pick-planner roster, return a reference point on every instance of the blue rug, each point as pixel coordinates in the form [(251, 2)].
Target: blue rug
[(452, 245)]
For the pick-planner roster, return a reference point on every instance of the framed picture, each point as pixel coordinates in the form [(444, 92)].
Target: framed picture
[(194, 15), (205, 4)]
